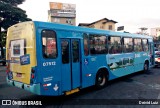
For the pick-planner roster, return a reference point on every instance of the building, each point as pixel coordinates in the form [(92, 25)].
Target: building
[(62, 13), (104, 23), (155, 32)]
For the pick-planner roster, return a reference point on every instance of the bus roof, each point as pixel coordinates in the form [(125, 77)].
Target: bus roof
[(86, 30)]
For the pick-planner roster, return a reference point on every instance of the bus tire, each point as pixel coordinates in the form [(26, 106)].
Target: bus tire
[(101, 79), (146, 67)]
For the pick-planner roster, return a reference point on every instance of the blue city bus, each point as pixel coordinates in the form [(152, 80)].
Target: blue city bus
[(57, 59)]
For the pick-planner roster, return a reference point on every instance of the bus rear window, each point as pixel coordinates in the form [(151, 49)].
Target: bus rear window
[(49, 49)]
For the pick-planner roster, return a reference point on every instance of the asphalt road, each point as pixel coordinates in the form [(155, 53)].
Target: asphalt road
[(126, 92)]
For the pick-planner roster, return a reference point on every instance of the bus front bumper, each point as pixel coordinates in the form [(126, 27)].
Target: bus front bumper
[(34, 88)]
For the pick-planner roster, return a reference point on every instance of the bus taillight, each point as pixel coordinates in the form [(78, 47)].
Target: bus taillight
[(32, 74), (7, 69)]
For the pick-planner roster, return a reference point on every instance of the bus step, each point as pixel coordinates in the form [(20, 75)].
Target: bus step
[(72, 91)]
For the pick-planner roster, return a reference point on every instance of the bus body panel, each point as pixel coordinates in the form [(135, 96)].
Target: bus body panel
[(138, 61), (48, 70), (121, 64), (115, 63), (21, 51), (90, 68), (129, 62)]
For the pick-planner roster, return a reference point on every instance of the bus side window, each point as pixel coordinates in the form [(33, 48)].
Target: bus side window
[(49, 49), (98, 44), (127, 45), (86, 43), (137, 45), (114, 45), (145, 45)]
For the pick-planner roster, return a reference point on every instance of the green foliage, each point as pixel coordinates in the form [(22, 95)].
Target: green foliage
[(12, 2), (10, 14), (4, 34)]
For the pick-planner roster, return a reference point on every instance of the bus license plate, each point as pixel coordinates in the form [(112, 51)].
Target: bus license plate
[(19, 75)]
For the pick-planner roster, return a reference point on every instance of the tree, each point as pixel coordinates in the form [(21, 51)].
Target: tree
[(3, 35), (10, 14)]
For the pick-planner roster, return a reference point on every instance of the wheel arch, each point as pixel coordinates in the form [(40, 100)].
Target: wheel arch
[(146, 61), (103, 69), (101, 78)]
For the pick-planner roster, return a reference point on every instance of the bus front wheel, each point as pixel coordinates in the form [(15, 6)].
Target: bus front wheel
[(101, 79)]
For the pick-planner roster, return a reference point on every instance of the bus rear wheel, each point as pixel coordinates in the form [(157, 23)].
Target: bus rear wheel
[(101, 79), (146, 67)]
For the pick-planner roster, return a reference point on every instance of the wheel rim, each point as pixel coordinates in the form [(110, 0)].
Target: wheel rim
[(145, 66), (101, 80)]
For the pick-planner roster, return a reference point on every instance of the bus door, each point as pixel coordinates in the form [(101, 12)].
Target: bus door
[(151, 52), (70, 68)]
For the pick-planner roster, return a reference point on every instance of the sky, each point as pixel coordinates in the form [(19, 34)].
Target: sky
[(132, 14)]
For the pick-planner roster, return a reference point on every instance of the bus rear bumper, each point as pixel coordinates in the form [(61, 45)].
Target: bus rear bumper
[(34, 88)]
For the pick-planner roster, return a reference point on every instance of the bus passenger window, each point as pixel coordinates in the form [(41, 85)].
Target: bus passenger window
[(137, 45), (85, 42), (65, 51), (98, 44), (145, 45), (127, 45), (49, 49), (114, 45)]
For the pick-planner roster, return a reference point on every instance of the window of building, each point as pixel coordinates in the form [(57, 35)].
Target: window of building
[(56, 20), (86, 43), (92, 26), (137, 45), (98, 44), (101, 27), (110, 27), (49, 49), (145, 44), (114, 45), (127, 45), (69, 21)]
